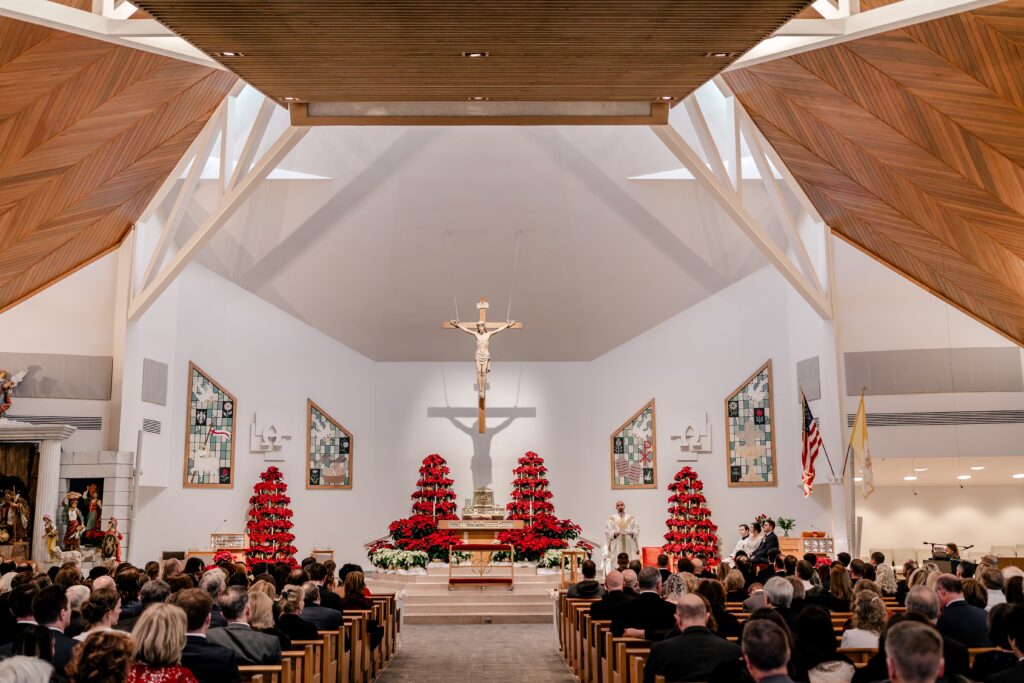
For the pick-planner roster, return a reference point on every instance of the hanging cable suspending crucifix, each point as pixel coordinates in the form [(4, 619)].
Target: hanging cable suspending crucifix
[(482, 331)]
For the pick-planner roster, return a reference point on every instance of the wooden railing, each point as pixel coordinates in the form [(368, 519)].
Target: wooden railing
[(342, 656)]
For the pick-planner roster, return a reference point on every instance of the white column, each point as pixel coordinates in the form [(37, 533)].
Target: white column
[(46, 493)]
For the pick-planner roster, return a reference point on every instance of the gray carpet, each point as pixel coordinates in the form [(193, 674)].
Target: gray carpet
[(493, 652)]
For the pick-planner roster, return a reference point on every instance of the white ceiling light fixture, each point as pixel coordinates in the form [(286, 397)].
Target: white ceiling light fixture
[(977, 468), (910, 478), (1019, 476), (858, 478), (476, 54), (964, 477), (920, 469)]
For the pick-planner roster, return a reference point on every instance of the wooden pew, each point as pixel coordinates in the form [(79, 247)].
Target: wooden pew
[(298, 664), (264, 674), (595, 639), (359, 647), (973, 652), (332, 654), (316, 651), (859, 655), (636, 658), (616, 663)]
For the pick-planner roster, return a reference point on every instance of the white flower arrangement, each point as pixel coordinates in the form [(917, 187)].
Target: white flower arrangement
[(394, 559), (552, 559)]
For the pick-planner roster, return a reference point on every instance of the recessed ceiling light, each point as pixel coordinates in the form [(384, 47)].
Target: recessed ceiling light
[(978, 468), (476, 99), (289, 98), (719, 55), (964, 477), (476, 54), (920, 469), (1019, 476), (910, 478), (230, 54), (858, 478), (666, 97)]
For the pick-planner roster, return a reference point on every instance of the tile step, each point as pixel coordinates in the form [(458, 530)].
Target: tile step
[(490, 618)]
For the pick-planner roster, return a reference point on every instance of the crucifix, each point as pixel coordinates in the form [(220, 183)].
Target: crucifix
[(482, 331)]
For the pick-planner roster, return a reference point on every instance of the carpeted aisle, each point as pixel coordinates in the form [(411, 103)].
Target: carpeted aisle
[(492, 652)]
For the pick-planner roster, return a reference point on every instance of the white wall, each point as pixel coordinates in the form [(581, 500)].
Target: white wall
[(74, 316), (267, 359), (982, 516)]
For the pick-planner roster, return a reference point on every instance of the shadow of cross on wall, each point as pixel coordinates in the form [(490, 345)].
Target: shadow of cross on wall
[(481, 464)]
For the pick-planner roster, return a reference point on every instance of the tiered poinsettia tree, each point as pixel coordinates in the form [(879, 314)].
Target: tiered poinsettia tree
[(433, 501), (531, 502), (270, 521), (690, 529)]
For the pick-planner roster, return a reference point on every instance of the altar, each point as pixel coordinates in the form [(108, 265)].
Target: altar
[(480, 530)]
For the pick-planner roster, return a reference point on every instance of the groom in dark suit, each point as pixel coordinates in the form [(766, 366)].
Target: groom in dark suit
[(959, 620), (768, 542)]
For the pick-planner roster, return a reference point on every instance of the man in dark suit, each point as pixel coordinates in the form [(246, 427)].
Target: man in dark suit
[(1015, 634), (959, 620), (695, 652), (328, 598), (154, 592), (250, 647), (778, 594), (663, 567), (768, 542), (766, 651), (324, 618), (211, 663), (648, 616), (913, 652), (50, 608), (19, 602), (602, 609)]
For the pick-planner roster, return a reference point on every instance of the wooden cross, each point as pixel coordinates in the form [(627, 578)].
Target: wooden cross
[(483, 331)]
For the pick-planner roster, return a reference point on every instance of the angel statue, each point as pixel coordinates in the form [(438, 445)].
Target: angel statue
[(7, 384), (14, 512), (50, 535)]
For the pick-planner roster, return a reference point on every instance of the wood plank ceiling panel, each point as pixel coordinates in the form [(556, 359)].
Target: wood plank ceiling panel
[(408, 50), (88, 132), (909, 144)]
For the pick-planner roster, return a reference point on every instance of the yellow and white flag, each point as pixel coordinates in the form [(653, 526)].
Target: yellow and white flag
[(859, 452)]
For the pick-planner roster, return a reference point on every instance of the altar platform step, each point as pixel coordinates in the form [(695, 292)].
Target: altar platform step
[(428, 600)]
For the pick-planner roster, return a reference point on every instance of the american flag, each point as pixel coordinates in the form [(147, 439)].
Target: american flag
[(811, 446)]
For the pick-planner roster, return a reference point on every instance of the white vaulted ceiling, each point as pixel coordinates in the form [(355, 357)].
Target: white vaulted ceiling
[(603, 257)]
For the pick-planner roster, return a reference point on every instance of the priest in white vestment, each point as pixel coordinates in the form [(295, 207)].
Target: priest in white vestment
[(621, 535)]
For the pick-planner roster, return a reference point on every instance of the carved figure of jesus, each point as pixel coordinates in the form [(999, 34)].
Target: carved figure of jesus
[(483, 335)]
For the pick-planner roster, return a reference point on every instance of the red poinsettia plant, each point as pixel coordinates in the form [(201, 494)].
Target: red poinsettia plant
[(690, 529), (530, 502), (433, 501), (269, 526)]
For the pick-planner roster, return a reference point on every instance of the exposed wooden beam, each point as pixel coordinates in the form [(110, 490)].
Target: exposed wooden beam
[(228, 205), (726, 199)]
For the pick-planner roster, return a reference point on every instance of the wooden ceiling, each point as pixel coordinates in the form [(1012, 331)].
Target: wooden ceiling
[(88, 132), (910, 145), (412, 51)]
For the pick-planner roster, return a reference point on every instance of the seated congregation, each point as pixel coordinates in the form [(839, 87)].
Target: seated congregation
[(190, 623), (809, 620)]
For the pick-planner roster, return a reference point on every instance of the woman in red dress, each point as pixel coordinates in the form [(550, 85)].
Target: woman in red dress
[(159, 639)]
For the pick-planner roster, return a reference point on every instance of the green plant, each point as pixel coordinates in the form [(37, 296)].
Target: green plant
[(787, 524)]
